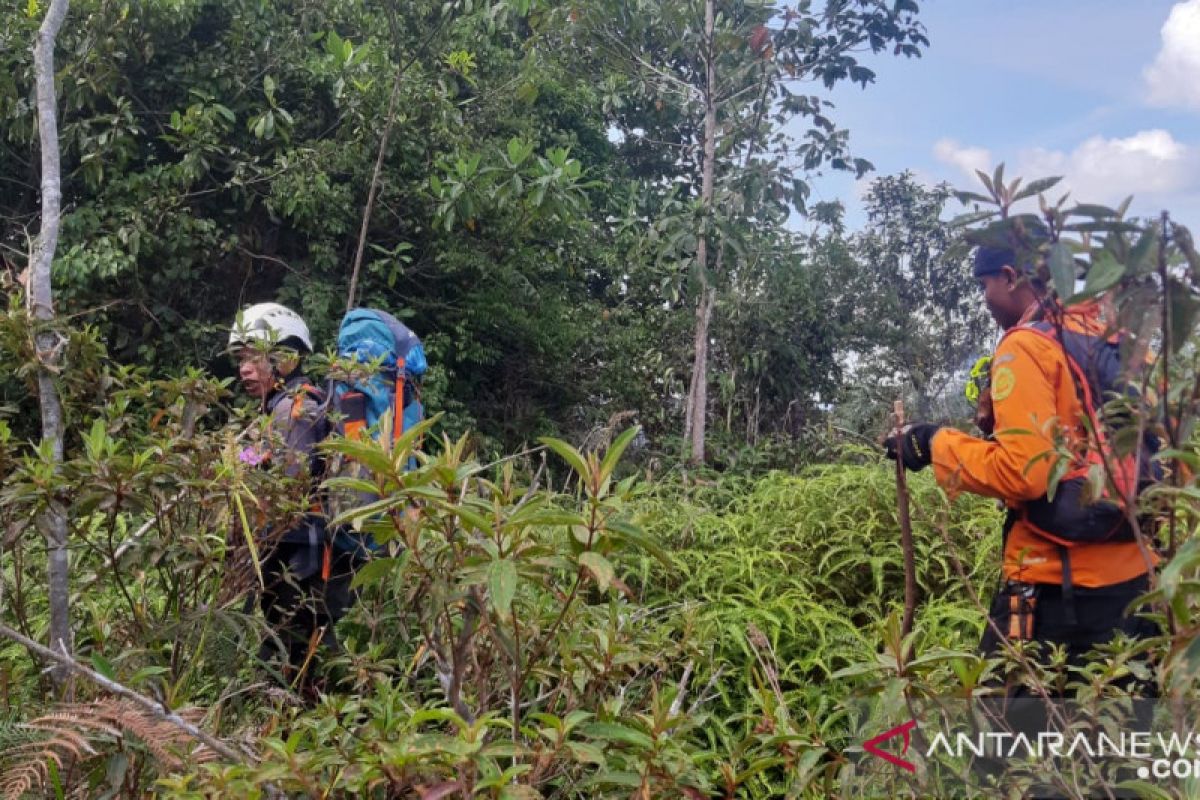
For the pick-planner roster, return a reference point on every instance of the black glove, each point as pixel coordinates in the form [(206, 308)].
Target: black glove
[(914, 444)]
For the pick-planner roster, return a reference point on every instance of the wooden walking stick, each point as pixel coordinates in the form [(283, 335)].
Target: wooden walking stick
[(906, 540)]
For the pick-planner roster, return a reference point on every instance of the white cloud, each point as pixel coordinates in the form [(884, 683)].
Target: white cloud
[(1150, 164), (967, 159), (1174, 77)]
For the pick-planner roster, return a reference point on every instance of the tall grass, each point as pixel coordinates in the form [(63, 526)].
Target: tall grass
[(813, 561)]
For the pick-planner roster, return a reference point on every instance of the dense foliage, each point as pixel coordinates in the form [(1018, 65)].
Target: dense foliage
[(583, 617), (535, 219), (602, 637)]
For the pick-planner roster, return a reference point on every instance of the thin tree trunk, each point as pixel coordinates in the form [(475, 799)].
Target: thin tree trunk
[(700, 369), (389, 122), (372, 190), (53, 521), (698, 400)]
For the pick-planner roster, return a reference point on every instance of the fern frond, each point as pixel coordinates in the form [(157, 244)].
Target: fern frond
[(71, 733), (64, 740), (17, 781), (66, 719)]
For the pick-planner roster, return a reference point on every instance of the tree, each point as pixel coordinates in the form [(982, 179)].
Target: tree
[(41, 299), (708, 89), (196, 184), (917, 318)]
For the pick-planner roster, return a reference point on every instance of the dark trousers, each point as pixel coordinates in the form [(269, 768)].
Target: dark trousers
[(299, 604), (1099, 615)]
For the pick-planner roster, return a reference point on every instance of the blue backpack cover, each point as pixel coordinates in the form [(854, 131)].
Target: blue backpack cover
[(371, 336)]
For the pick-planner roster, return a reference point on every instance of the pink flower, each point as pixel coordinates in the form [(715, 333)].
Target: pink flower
[(250, 455)]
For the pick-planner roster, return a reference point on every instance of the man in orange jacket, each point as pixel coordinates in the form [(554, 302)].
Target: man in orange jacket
[(1070, 568)]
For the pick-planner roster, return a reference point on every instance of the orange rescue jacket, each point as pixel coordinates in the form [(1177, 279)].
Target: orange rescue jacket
[(1034, 399)]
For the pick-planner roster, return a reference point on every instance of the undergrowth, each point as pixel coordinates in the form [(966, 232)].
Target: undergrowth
[(813, 561)]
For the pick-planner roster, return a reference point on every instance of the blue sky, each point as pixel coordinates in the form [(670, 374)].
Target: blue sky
[(1103, 92)]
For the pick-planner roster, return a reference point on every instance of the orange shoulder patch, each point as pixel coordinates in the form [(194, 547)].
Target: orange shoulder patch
[(1003, 383)]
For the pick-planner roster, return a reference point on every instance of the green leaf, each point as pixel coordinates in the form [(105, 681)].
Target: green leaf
[(1188, 457), (1183, 313), (353, 516), (517, 152), (527, 93), (1094, 211), (632, 534), (248, 532), (1103, 226), (368, 452), (349, 484), (600, 567), (586, 753), (470, 518), (1146, 789), (615, 451), (1062, 269), (1037, 187), (612, 732), (333, 43), (55, 778), (570, 455), (407, 442), (1142, 249), (987, 182), (756, 767), (1186, 560), (373, 572), (971, 197), (1057, 471), (1104, 273), (502, 585), (103, 666), (962, 220)]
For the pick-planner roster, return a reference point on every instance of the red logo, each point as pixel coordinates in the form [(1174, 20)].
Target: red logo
[(872, 745)]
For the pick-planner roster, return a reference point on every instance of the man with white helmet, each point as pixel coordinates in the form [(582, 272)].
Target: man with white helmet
[(306, 589)]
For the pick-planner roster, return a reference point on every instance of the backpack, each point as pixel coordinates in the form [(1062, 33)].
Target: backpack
[(367, 405), (1070, 518), (371, 404)]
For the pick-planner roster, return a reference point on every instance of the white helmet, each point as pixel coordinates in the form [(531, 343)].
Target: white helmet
[(269, 322)]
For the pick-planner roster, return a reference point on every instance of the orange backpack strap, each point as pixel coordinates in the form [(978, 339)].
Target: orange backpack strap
[(298, 399)]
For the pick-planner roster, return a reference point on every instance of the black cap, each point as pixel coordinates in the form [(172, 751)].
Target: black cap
[(991, 260)]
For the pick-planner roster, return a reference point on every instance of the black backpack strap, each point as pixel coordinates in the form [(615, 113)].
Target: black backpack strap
[(1010, 519), (1068, 586)]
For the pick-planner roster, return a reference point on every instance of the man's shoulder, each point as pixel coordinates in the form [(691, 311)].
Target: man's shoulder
[(300, 400), (1031, 340)]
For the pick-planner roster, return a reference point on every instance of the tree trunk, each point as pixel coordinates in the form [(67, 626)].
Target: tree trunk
[(53, 521), (697, 405)]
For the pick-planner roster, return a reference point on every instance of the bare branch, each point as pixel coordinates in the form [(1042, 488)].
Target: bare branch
[(157, 709)]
